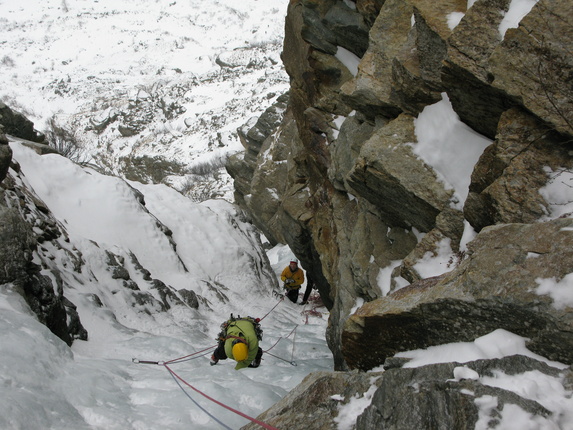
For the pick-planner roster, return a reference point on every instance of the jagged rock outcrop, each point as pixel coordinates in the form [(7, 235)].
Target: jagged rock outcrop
[(16, 124), (5, 156), (19, 241), (392, 178), (506, 181), (450, 395), (533, 64), (41, 263), (496, 286), (342, 182), (314, 403), (17, 244), (445, 395), (243, 165), (44, 294)]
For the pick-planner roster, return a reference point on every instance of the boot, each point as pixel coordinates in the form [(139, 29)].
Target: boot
[(304, 302), (257, 361), (213, 360)]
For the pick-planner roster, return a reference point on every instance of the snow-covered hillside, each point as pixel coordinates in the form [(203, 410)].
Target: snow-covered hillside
[(210, 251), (144, 83)]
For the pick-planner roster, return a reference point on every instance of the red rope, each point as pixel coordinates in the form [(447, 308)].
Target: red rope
[(190, 355), (279, 302), (265, 425)]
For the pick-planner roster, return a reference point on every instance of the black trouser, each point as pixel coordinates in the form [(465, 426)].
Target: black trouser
[(219, 353), (309, 287), (293, 295), (257, 361)]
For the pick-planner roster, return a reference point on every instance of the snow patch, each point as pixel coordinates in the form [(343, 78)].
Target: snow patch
[(449, 146), (349, 59), (561, 292), (518, 9)]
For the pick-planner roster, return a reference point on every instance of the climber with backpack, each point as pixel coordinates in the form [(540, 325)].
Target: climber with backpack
[(239, 340)]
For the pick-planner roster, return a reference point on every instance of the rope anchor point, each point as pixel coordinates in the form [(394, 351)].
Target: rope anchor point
[(138, 361)]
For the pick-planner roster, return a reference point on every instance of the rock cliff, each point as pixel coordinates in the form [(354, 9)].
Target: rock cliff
[(336, 170)]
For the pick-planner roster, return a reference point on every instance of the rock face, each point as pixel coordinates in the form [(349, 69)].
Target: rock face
[(506, 181), (311, 403), (341, 182), (18, 211), (496, 286), (16, 124), (5, 156), (442, 400), (42, 264), (444, 396)]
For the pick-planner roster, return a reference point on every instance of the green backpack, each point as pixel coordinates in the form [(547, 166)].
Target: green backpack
[(255, 321)]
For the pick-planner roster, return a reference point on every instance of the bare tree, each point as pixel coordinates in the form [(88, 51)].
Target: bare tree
[(66, 142)]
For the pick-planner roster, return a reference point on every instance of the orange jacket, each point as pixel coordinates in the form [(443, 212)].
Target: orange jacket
[(297, 276)]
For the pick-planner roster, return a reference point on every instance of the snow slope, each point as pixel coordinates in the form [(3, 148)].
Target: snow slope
[(95, 384)]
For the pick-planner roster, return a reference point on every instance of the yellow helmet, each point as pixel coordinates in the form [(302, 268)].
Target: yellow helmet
[(240, 351)]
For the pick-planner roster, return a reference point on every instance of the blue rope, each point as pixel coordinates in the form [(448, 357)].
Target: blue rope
[(197, 404)]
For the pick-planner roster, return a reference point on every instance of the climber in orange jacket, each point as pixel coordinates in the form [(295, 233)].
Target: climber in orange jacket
[(292, 277)]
